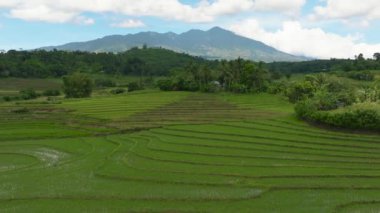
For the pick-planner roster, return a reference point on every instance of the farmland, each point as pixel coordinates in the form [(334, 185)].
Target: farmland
[(157, 151)]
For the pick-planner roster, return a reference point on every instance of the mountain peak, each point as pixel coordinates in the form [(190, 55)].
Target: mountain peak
[(217, 29), (215, 43)]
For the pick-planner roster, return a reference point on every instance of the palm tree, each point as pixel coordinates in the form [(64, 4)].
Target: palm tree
[(226, 76)]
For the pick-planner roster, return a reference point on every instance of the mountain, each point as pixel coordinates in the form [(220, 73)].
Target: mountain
[(216, 43)]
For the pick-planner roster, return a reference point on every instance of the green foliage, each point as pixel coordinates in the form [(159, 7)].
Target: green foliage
[(305, 109), (165, 84), (134, 86), (359, 119), (42, 64), (376, 56), (6, 98), (278, 87), (315, 66), (361, 75), (78, 85), (178, 83), (51, 92), (368, 94), (255, 78), (211, 87), (103, 83), (300, 91), (314, 110), (118, 91), (239, 76), (28, 94), (276, 75), (20, 110), (238, 88), (319, 94)]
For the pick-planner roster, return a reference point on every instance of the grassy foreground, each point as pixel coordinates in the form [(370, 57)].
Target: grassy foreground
[(192, 153)]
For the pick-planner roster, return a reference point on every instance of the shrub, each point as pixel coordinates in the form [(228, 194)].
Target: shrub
[(134, 86), (7, 98), (101, 83), (277, 87), (28, 94), (275, 75), (363, 119), (11, 98), (52, 92), (362, 75), (326, 101), (211, 87), (305, 109), (118, 91), (239, 88), (191, 86), (300, 91), (77, 86), (165, 84)]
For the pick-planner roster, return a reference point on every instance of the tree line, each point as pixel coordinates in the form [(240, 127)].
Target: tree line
[(313, 66), (44, 64), (240, 76), (150, 62)]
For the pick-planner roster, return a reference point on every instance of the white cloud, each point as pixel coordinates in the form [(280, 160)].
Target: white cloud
[(42, 13), (313, 42), (46, 13), (366, 10), (288, 7), (82, 20), (60, 11), (129, 24)]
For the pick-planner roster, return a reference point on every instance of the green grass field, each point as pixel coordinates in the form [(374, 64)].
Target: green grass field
[(181, 152), (16, 84)]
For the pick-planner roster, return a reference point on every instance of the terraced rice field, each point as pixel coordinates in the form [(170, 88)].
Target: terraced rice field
[(122, 106), (193, 153)]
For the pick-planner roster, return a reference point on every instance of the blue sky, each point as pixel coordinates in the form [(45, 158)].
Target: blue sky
[(316, 28)]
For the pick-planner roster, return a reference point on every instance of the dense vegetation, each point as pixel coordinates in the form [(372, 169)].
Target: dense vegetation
[(149, 62), (43, 64), (357, 64), (328, 100), (77, 85), (238, 76)]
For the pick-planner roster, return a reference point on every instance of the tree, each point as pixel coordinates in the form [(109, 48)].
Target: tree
[(254, 77), (133, 86), (360, 57), (300, 91), (226, 76), (136, 66), (193, 70), (376, 56), (77, 85)]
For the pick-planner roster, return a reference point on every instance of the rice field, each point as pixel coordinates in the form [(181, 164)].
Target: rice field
[(182, 152), (17, 84)]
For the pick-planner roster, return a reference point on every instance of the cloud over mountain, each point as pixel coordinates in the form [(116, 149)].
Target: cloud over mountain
[(296, 39), (61, 11)]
